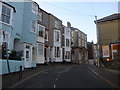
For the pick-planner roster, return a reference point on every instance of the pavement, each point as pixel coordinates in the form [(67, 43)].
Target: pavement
[(9, 80)]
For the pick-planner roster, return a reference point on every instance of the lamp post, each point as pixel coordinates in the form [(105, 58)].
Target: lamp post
[(7, 52), (97, 41)]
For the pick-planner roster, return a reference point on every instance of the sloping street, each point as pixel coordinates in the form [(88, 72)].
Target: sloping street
[(72, 76)]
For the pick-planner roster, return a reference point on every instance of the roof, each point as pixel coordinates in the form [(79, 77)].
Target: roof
[(109, 18), (73, 29), (44, 11), (55, 17)]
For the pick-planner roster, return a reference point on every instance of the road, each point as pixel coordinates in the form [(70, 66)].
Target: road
[(72, 76)]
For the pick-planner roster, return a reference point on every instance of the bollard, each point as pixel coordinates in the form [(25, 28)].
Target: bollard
[(20, 72)]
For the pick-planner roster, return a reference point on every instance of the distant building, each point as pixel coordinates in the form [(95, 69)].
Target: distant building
[(90, 49), (79, 46), (95, 54), (108, 33)]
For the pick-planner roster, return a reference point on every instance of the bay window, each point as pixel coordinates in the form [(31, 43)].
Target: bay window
[(57, 36), (67, 42)]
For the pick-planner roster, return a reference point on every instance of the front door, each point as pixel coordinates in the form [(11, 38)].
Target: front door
[(27, 58)]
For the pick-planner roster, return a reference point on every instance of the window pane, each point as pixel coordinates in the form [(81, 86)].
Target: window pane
[(41, 31), (8, 11), (7, 20), (3, 9), (3, 18), (27, 54)]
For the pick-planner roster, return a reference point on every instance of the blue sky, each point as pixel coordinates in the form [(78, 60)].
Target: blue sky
[(81, 14)]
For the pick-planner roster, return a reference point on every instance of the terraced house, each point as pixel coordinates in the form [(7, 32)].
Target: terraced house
[(20, 33), (55, 27), (33, 36), (66, 42), (44, 20)]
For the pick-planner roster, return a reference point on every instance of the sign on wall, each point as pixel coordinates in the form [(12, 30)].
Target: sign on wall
[(105, 51)]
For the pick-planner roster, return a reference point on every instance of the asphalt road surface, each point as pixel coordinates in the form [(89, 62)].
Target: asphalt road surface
[(72, 76)]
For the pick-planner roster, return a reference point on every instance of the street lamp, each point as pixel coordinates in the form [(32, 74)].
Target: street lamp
[(7, 52), (97, 41)]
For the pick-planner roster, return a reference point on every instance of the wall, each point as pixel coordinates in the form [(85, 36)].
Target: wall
[(108, 33), (109, 30), (51, 30), (14, 66), (27, 18)]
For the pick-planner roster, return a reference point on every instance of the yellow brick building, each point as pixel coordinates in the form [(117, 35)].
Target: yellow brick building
[(108, 32)]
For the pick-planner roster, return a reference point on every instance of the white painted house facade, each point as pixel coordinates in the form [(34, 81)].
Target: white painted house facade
[(57, 43), (67, 44)]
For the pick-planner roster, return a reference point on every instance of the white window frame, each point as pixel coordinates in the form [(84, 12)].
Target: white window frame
[(56, 24), (67, 43), (41, 50), (40, 15), (11, 14), (34, 8), (43, 30), (31, 28), (55, 36)]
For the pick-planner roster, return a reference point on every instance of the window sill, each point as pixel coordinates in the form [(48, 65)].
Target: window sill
[(33, 32), (40, 36), (5, 24)]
